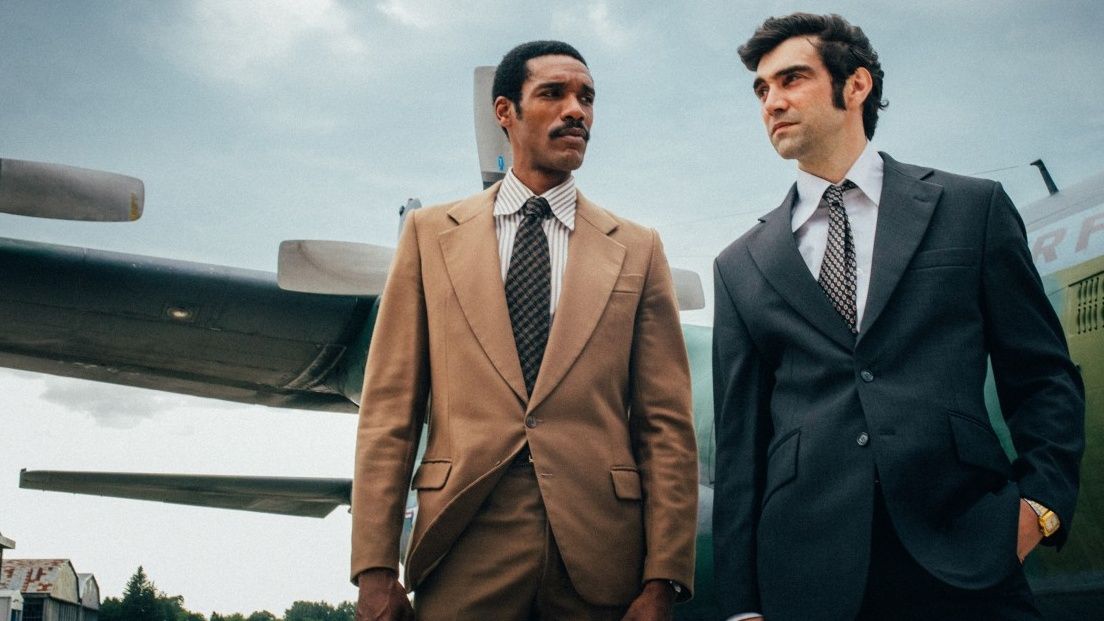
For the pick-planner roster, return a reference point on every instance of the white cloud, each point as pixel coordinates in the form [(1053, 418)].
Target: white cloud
[(119, 407), (416, 15), (108, 405), (598, 20), (249, 42)]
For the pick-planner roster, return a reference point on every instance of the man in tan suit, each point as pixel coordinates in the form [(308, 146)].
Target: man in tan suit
[(537, 335)]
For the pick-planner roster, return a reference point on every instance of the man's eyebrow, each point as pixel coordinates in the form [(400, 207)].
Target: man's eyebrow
[(781, 73), (557, 84), (550, 84)]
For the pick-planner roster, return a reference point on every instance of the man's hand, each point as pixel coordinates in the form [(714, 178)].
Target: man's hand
[(655, 603), (382, 598), (1030, 535)]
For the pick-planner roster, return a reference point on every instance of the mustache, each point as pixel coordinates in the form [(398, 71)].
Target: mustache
[(570, 124)]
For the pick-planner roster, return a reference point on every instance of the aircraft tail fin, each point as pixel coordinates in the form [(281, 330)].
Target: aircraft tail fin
[(494, 148)]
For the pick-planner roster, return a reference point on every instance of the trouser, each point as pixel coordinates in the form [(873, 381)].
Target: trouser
[(899, 588), (505, 566)]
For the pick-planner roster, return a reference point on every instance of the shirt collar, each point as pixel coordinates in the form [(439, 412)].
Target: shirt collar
[(867, 173), (512, 194)]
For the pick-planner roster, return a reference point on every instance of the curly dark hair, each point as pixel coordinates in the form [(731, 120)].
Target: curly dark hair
[(843, 49), (514, 68)]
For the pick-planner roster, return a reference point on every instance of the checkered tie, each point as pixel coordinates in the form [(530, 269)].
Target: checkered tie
[(838, 271), (529, 288)]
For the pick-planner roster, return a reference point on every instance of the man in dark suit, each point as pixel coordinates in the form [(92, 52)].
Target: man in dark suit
[(858, 474)]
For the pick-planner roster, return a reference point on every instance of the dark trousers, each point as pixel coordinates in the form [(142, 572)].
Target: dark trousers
[(898, 588)]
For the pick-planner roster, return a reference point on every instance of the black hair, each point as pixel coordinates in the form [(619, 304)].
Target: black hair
[(514, 68), (843, 49)]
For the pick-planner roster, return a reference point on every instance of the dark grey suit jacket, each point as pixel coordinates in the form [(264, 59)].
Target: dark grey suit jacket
[(807, 415)]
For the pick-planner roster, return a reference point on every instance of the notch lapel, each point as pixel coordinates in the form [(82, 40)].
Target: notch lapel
[(775, 253), (904, 211), (470, 250), (593, 264)]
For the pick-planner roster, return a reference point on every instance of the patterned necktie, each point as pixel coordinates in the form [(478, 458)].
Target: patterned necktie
[(838, 270), (529, 288)]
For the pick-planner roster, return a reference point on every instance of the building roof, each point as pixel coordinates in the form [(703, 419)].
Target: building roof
[(89, 590), (54, 577), (5, 543)]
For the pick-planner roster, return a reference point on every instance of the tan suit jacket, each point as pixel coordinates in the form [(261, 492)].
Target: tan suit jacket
[(609, 422)]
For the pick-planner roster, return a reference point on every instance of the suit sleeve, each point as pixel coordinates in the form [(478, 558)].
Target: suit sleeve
[(392, 410), (1040, 390), (741, 403), (662, 428)]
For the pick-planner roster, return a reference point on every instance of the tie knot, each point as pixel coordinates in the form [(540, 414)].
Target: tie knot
[(536, 207), (834, 194)]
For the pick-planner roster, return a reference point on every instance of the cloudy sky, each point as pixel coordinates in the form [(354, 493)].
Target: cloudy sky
[(257, 121)]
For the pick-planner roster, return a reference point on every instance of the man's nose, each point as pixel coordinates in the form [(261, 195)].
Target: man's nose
[(573, 109), (774, 102)]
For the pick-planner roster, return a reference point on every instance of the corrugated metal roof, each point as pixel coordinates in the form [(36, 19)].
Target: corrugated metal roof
[(33, 575)]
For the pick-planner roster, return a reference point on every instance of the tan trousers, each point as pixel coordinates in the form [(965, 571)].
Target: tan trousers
[(506, 566)]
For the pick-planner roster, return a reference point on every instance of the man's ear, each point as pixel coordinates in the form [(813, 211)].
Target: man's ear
[(504, 112), (858, 88)]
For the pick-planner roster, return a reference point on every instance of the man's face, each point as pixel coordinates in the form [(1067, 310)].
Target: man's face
[(550, 132), (795, 93)]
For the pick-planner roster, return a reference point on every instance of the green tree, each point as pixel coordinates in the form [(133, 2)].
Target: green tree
[(142, 601), (319, 611), (261, 615), (111, 609), (139, 601)]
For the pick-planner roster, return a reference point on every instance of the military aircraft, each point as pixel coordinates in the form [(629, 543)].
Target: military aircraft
[(298, 339)]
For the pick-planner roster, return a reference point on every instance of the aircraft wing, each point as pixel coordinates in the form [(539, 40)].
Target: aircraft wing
[(307, 497), (190, 328)]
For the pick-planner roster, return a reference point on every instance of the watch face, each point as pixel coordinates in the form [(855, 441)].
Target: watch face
[(1049, 523)]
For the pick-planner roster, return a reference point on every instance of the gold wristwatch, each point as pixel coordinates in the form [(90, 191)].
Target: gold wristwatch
[(1048, 520)]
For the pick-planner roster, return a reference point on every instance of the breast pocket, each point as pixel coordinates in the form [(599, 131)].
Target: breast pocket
[(944, 257), (629, 283)]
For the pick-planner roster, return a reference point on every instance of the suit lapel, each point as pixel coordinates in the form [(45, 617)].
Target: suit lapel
[(775, 253), (470, 250), (593, 264), (904, 211)]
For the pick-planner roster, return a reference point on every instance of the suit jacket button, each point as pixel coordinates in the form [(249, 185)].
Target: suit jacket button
[(863, 439), (866, 376), (530, 422)]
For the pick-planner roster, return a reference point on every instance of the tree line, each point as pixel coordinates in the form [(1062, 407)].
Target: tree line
[(142, 601)]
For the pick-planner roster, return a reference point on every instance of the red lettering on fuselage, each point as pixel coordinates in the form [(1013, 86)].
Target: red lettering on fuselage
[(1088, 227), (1045, 249)]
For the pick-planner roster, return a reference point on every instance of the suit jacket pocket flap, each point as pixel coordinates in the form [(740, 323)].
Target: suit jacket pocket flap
[(977, 444), (629, 283), (431, 475), (944, 257), (626, 483)]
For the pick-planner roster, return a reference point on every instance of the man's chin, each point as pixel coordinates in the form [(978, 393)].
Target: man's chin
[(787, 150)]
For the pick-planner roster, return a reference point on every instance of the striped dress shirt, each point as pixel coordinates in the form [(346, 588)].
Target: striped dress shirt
[(512, 194)]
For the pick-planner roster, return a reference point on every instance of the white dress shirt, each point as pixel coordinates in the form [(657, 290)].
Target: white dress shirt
[(810, 224), (512, 195)]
